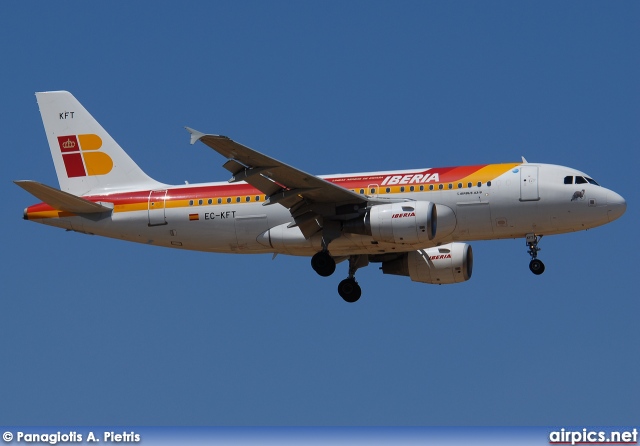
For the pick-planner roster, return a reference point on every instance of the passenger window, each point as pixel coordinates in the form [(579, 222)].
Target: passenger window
[(459, 185), (237, 199), (229, 200), (401, 188), (469, 185), (489, 183), (219, 200), (421, 187), (568, 180), (431, 187), (361, 191), (412, 188), (257, 197), (247, 199), (479, 183), (440, 186), (210, 201), (200, 202), (580, 180), (388, 189), (190, 202)]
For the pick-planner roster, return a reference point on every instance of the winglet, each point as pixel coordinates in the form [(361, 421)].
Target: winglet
[(195, 135)]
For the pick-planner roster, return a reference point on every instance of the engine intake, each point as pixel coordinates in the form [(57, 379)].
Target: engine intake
[(452, 263)]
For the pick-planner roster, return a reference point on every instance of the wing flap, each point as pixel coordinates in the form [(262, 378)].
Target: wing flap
[(60, 200), (264, 185), (309, 223)]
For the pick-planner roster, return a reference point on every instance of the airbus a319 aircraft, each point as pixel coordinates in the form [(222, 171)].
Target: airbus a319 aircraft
[(414, 223)]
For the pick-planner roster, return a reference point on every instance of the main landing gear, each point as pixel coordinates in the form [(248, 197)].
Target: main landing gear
[(536, 266), (323, 264), (349, 289)]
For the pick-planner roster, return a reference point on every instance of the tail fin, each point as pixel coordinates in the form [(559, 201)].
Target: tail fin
[(86, 158)]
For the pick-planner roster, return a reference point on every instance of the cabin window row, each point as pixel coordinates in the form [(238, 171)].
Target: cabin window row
[(440, 186), (421, 188), (246, 199)]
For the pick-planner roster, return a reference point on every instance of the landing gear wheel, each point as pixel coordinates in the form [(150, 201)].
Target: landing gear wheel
[(536, 266), (323, 263), (349, 290)]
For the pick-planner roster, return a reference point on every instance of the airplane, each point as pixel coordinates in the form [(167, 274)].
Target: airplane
[(415, 223)]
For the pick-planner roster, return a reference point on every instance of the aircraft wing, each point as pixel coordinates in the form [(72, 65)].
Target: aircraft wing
[(309, 198)]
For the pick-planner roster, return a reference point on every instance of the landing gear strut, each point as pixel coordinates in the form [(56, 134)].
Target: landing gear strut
[(349, 289), (536, 266)]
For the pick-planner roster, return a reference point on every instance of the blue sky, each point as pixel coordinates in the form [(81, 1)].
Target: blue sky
[(102, 332)]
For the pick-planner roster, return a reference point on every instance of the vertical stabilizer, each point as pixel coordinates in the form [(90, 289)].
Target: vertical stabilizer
[(86, 158)]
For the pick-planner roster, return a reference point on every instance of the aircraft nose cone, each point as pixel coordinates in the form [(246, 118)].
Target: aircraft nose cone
[(616, 205)]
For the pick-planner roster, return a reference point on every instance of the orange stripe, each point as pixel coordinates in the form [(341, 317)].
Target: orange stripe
[(181, 198)]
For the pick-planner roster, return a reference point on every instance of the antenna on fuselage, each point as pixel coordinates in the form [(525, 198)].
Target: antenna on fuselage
[(524, 161)]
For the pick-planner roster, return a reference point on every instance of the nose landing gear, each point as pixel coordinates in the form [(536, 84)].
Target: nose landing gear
[(536, 266)]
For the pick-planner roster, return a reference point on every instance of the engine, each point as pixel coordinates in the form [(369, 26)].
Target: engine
[(452, 263), (404, 223)]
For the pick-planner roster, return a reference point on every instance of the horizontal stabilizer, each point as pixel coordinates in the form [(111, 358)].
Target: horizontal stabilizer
[(62, 201)]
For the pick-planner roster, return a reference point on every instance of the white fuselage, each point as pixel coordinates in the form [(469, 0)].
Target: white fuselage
[(529, 198)]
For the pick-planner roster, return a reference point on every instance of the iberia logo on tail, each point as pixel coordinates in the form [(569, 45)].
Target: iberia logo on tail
[(81, 157)]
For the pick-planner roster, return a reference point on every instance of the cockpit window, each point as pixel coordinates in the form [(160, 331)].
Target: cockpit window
[(580, 180), (592, 181)]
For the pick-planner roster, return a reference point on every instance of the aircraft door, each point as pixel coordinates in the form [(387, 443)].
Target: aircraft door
[(529, 183), (156, 207)]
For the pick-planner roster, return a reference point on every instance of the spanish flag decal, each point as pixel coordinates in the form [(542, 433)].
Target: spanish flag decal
[(194, 217)]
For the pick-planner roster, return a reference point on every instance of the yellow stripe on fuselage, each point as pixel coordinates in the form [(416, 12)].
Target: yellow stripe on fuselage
[(488, 173), (482, 175)]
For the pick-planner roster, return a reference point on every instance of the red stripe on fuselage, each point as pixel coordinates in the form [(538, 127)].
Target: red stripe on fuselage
[(457, 173), (446, 175)]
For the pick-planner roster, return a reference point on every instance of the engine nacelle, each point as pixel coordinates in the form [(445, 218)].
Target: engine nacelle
[(452, 263), (404, 223)]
